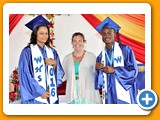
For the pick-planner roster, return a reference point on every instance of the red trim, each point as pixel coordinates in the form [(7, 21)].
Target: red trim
[(138, 48), (13, 21)]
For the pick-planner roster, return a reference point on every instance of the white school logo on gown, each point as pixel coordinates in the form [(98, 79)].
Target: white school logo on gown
[(122, 94), (45, 78)]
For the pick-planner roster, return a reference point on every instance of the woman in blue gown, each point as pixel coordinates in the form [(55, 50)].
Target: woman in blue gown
[(40, 70)]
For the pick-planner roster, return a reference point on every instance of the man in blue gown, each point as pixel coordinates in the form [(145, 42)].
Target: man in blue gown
[(40, 70), (116, 68)]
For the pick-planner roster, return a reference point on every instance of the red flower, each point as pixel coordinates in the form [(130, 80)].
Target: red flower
[(52, 34), (51, 24), (15, 77), (12, 96), (15, 72), (16, 84)]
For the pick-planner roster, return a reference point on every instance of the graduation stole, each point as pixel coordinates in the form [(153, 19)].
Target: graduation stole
[(118, 61), (44, 75)]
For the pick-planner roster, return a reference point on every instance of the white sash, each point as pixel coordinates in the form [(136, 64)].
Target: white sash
[(104, 89), (122, 94), (45, 78)]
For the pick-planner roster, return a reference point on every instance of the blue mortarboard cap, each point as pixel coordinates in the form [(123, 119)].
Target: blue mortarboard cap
[(38, 21), (108, 23)]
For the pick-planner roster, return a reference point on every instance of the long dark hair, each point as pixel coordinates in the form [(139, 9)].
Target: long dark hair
[(33, 39)]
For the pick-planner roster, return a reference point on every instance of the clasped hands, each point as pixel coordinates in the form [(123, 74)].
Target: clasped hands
[(105, 69), (51, 62)]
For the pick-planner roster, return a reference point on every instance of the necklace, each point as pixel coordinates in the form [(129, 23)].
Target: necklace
[(110, 59)]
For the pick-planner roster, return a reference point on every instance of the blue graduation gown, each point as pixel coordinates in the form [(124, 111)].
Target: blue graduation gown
[(141, 79), (29, 87), (126, 76)]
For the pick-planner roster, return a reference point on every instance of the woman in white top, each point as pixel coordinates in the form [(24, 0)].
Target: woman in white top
[(79, 72)]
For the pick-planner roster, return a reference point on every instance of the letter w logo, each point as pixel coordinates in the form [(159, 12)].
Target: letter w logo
[(38, 59), (118, 59)]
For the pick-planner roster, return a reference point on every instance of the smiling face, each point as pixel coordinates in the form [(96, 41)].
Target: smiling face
[(108, 35), (42, 35), (78, 43)]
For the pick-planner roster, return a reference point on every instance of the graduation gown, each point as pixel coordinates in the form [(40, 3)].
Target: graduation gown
[(125, 75), (29, 87)]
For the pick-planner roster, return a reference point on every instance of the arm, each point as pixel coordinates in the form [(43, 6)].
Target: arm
[(29, 87), (98, 74), (51, 62), (64, 65), (126, 75)]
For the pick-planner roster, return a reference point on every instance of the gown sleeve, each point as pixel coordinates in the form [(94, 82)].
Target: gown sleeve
[(59, 70), (64, 64), (98, 75), (29, 87), (126, 75)]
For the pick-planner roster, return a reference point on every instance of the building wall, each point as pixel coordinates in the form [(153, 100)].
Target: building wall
[(64, 27)]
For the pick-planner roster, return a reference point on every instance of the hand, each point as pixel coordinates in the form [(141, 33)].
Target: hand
[(108, 69), (45, 95), (50, 62), (99, 65)]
